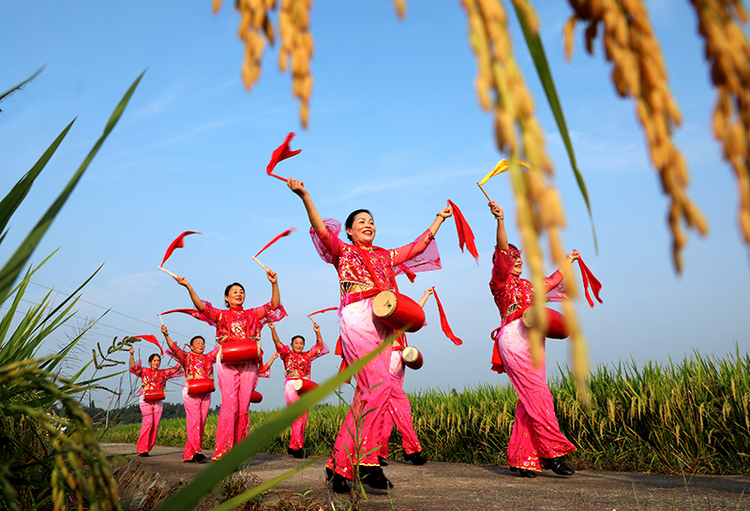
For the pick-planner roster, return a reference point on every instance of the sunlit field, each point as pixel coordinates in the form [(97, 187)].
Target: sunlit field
[(692, 417)]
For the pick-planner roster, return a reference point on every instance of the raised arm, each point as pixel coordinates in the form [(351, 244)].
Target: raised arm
[(501, 236), (554, 280), (425, 296), (318, 336), (312, 213), (275, 293), (172, 346), (440, 218), (132, 358), (275, 337), (193, 295), (418, 246)]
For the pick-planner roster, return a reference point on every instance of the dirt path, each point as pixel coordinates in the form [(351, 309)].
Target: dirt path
[(450, 486)]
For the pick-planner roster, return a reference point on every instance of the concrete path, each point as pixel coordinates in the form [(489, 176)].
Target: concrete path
[(451, 486)]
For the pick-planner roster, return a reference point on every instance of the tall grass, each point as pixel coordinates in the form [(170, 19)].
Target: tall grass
[(692, 417), (46, 461)]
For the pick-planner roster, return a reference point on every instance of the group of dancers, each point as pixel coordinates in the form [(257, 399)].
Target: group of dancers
[(364, 270)]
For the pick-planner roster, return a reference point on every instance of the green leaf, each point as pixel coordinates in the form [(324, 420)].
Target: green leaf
[(14, 266), (21, 85), (534, 42)]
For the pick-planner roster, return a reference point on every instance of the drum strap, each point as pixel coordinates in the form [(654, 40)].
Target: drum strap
[(370, 268)]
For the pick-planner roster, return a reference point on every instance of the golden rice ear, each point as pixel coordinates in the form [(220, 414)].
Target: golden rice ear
[(400, 8), (639, 72), (569, 36), (728, 50)]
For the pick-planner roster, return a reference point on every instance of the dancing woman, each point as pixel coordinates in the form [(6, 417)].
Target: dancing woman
[(198, 366), (297, 364), (535, 441), (237, 381), (364, 270), (154, 380)]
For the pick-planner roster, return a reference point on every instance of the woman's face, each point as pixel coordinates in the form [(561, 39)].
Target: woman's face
[(198, 346), (235, 297), (362, 229), (298, 345), (517, 267), (155, 362)]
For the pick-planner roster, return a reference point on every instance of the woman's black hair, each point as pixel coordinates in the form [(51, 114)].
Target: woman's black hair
[(197, 337), (230, 286), (298, 337), (350, 219), (151, 357)]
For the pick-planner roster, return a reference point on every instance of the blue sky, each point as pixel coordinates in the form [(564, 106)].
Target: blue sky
[(394, 127)]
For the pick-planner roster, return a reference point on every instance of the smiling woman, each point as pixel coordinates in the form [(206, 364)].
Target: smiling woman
[(364, 271)]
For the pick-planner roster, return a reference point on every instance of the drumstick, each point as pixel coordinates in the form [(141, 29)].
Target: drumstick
[(485, 193), (167, 271), (261, 264)]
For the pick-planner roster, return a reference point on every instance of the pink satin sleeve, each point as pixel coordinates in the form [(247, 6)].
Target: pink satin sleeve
[(413, 249)]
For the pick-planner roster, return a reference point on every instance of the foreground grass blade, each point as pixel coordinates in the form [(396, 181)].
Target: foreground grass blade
[(254, 492), (189, 496), (14, 266), (21, 85), (536, 48), (13, 199)]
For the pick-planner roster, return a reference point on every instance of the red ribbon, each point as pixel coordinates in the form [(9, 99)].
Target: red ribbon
[(177, 243), (589, 280), (444, 322), (407, 271), (465, 234), (281, 153), (277, 238), (323, 310), (152, 339)]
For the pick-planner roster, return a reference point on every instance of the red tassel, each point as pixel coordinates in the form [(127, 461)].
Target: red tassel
[(465, 234), (589, 280), (281, 153), (444, 322), (152, 339), (177, 243)]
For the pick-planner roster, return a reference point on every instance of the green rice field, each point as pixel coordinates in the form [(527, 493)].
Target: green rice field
[(691, 417)]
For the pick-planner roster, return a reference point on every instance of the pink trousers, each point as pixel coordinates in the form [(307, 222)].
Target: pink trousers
[(151, 416), (237, 383), (196, 411), (298, 426), (398, 411), (360, 436), (536, 433)]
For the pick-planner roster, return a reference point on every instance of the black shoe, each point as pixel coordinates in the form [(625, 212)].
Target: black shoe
[(339, 482), (374, 478), (143, 454), (416, 458), (291, 451), (299, 453), (559, 467), (513, 469), (199, 458), (382, 461), (526, 473)]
